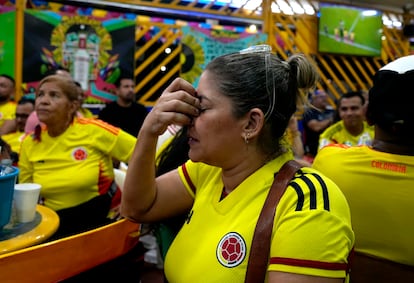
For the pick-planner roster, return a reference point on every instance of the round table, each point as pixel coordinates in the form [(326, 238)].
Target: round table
[(23, 235)]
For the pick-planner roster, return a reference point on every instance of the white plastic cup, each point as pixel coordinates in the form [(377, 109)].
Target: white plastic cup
[(26, 197)]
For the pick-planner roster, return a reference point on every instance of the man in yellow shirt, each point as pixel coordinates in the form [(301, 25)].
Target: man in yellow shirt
[(352, 129), (24, 108), (7, 106)]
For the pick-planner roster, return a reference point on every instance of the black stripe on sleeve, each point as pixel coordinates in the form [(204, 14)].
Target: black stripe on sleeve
[(325, 194), (312, 192), (301, 197)]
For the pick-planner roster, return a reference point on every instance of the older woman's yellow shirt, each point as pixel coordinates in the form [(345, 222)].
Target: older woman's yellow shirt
[(77, 165)]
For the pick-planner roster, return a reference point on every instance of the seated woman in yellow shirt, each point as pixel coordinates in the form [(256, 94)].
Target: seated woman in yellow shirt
[(71, 158)]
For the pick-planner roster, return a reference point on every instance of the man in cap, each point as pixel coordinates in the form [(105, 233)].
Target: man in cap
[(378, 180)]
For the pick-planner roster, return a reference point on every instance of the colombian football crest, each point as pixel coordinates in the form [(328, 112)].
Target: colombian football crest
[(231, 250), (79, 153)]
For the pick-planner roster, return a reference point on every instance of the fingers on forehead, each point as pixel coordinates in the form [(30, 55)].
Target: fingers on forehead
[(181, 84), (184, 96)]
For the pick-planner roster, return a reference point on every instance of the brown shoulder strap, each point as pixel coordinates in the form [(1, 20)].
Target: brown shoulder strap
[(260, 248)]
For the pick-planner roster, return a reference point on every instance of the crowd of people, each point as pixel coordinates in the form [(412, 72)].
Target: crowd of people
[(208, 183)]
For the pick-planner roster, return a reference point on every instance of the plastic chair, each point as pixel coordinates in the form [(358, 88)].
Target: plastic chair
[(61, 259)]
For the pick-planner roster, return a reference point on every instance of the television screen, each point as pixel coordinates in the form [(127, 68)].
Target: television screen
[(349, 30)]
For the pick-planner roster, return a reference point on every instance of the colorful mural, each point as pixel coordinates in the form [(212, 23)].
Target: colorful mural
[(53, 39), (202, 42)]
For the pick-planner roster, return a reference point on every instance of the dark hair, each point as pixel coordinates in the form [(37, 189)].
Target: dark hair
[(25, 100), (10, 78), (175, 154), (247, 79), (350, 95), (391, 102), (53, 71), (4, 145), (123, 76), (7, 150)]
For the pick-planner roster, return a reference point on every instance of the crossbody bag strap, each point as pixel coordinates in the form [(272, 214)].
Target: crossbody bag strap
[(260, 248)]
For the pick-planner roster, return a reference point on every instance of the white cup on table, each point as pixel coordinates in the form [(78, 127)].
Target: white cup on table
[(26, 197)]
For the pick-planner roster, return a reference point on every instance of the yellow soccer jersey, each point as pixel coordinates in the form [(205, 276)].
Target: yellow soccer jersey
[(7, 111), (338, 134), (14, 140), (312, 232), (379, 188), (75, 166), (86, 113)]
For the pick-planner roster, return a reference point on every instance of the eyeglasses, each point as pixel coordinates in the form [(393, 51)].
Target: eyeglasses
[(270, 84)]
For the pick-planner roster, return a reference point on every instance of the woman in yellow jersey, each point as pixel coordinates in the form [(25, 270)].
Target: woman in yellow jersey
[(71, 158), (236, 120)]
